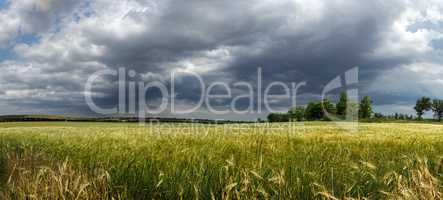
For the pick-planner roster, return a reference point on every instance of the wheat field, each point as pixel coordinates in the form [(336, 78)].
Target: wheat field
[(315, 160)]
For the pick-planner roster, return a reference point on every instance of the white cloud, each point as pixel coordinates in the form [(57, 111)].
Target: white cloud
[(412, 80), (399, 41)]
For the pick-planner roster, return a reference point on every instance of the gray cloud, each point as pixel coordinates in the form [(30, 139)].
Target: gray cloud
[(19, 18)]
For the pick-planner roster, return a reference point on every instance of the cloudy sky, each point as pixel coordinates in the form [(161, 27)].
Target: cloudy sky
[(49, 49)]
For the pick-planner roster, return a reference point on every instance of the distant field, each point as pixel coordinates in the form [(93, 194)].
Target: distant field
[(76, 160)]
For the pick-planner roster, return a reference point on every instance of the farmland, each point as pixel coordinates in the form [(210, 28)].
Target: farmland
[(80, 160)]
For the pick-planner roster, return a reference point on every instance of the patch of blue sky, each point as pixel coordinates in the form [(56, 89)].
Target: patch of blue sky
[(437, 44), (8, 53), (437, 26), (27, 39), (3, 4), (87, 8)]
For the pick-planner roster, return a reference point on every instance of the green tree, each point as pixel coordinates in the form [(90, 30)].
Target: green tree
[(314, 111), (365, 108), (297, 113), (352, 111), (342, 104), (437, 108), (327, 107), (272, 117), (278, 117), (379, 116), (422, 105)]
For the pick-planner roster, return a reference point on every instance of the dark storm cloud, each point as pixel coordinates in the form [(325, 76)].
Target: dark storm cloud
[(332, 46), (317, 53), (182, 29)]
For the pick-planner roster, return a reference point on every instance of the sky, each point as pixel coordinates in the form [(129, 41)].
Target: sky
[(50, 48)]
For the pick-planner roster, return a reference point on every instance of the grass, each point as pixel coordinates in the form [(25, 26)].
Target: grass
[(67, 160)]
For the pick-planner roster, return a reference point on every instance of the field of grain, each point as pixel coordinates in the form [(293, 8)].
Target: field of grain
[(62, 160)]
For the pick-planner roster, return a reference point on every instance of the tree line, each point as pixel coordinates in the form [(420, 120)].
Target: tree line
[(324, 109)]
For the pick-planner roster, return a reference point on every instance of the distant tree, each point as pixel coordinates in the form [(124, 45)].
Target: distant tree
[(297, 113), (272, 117), (327, 107), (437, 108), (284, 117), (422, 105), (314, 111), (402, 117), (352, 110), (379, 116), (365, 107), (278, 117), (342, 104)]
